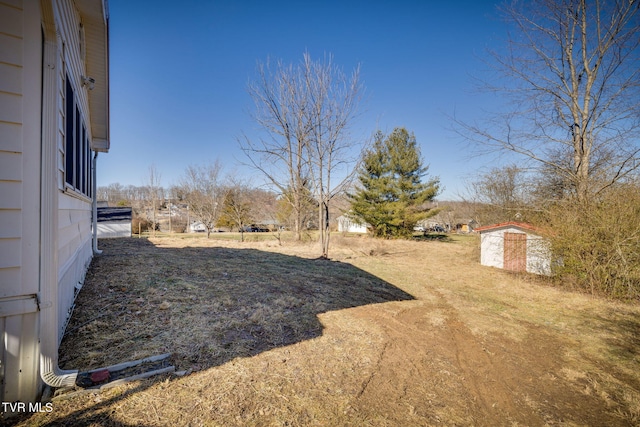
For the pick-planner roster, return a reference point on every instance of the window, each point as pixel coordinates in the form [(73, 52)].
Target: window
[(77, 148)]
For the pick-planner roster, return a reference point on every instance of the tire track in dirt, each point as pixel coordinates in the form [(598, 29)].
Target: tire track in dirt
[(397, 382), (485, 381), (449, 361), (445, 373)]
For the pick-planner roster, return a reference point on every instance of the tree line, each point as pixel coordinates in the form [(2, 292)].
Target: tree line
[(390, 181), (203, 195)]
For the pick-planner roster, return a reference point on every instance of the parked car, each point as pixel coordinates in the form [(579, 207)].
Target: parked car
[(254, 229)]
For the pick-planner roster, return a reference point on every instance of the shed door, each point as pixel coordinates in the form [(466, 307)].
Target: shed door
[(515, 252)]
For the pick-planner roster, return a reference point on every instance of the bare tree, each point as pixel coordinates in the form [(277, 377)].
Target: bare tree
[(304, 212), (237, 209), (102, 193), (204, 193), (279, 155), (332, 101), (305, 111), (154, 195), (501, 194), (573, 77)]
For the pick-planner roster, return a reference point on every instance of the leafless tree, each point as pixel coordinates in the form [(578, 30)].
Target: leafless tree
[(501, 194), (204, 193), (305, 110), (102, 193), (333, 100), (237, 209), (571, 71), (154, 191), (279, 155), (304, 212)]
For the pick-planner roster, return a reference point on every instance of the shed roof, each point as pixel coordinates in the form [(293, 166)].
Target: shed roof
[(122, 214), (510, 224)]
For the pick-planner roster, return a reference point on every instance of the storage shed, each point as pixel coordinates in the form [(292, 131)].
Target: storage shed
[(514, 246), (114, 222)]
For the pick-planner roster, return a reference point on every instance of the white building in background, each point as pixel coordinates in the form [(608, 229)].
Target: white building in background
[(114, 222), (54, 119), (197, 227), (514, 246), (350, 225)]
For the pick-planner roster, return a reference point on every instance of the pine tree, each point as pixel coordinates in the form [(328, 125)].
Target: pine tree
[(391, 197)]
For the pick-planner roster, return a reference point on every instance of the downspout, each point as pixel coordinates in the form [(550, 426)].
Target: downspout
[(94, 204), (50, 373)]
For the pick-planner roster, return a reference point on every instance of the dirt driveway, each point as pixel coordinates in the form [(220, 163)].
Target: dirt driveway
[(384, 334)]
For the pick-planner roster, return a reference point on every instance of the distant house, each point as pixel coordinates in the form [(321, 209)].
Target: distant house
[(197, 227), (114, 222), (54, 119), (350, 225), (466, 226), (514, 246)]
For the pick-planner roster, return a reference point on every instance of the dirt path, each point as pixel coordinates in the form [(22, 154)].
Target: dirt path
[(448, 374)]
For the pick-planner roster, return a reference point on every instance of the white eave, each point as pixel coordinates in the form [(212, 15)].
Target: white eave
[(95, 19)]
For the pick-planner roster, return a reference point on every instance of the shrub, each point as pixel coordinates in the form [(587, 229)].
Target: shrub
[(597, 243), (139, 224)]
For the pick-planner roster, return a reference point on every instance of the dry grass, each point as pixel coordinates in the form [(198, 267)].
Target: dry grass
[(207, 304), (387, 333)]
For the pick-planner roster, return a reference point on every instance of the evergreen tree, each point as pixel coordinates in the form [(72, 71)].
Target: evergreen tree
[(391, 197)]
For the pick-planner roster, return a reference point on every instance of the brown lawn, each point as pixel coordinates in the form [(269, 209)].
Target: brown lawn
[(387, 333)]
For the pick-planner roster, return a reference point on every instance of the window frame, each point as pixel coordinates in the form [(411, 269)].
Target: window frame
[(77, 153)]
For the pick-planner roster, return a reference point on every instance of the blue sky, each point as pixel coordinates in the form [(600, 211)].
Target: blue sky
[(179, 73)]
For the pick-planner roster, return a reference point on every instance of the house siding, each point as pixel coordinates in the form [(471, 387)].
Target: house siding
[(20, 356), (32, 150), (74, 209), (20, 99), (11, 65)]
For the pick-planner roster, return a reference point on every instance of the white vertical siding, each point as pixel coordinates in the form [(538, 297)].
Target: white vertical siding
[(19, 356), (538, 255), (74, 252), (60, 108), (492, 248)]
